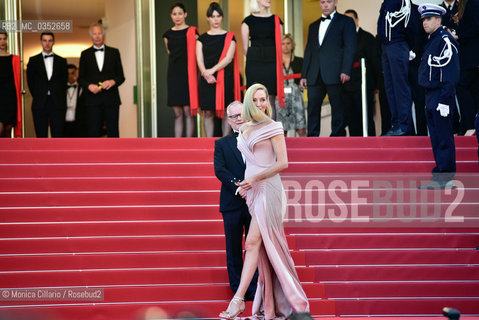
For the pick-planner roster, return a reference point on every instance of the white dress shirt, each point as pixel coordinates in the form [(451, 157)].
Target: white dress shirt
[(100, 57), (71, 102), (48, 64), (323, 27)]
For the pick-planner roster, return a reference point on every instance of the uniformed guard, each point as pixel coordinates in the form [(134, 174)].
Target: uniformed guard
[(439, 74), (397, 31)]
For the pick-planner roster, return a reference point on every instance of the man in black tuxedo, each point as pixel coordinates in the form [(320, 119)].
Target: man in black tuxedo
[(328, 60), (230, 168), (101, 73), (75, 119), (451, 7), (47, 81), (366, 48)]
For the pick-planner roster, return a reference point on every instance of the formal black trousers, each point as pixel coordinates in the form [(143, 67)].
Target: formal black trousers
[(236, 223), (46, 115), (316, 95), (99, 114)]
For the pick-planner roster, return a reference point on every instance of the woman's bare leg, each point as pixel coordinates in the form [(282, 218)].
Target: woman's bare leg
[(190, 122), (178, 121), (209, 122)]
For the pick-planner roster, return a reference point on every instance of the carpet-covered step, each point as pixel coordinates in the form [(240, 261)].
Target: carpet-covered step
[(183, 155), (119, 183), (206, 169), (208, 143), (313, 200), (77, 245), (403, 307), (129, 311), (110, 198), (186, 293), (110, 228), (396, 273), (373, 142), (122, 260), (110, 244), (127, 276), (133, 155), (392, 257), (109, 213), (387, 241), (316, 229), (417, 289)]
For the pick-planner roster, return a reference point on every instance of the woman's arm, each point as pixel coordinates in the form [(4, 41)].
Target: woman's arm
[(245, 37), (279, 147), (225, 61), (201, 63), (166, 45)]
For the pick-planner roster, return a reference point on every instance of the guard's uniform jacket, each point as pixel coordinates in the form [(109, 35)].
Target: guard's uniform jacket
[(439, 74)]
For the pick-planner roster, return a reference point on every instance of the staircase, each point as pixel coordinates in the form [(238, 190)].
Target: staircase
[(138, 220)]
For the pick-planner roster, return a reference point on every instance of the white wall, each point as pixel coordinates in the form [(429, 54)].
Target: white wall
[(121, 35)]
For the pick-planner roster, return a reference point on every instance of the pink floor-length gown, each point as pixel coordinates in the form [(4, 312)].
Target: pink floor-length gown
[(279, 292)]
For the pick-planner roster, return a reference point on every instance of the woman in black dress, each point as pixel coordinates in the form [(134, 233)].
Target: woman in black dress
[(261, 56), (177, 79), (209, 49), (8, 92)]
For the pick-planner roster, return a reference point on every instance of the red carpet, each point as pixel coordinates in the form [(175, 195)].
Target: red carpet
[(139, 219)]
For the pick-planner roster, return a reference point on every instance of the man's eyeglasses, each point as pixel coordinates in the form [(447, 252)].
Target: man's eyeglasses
[(235, 116)]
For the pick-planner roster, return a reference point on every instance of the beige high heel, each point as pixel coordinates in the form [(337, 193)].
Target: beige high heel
[(240, 305)]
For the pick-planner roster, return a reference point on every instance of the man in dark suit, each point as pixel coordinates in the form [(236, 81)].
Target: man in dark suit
[(451, 7), (230, 168), (328, 60), (366, 48), (47, 81), (75, 119), (101, 73)]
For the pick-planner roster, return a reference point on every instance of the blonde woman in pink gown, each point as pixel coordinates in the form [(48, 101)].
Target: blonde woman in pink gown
[(261, 141)]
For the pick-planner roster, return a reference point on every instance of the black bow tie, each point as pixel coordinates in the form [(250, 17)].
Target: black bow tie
[(101, 49), (235, 133), (48, 56), (71, 86), (325, 18)]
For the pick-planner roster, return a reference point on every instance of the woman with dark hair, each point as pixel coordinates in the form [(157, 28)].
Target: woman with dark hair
[(10, 90), (264, 58), (468, 37), (182, 79), (292, 115), (261, 141), (217, 60)]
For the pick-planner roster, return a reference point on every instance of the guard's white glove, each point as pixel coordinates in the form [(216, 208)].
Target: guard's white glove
[(443, 109), (412, 55)]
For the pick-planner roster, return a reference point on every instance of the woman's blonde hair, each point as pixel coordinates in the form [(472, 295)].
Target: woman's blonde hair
[(250, 111), (254, 6)]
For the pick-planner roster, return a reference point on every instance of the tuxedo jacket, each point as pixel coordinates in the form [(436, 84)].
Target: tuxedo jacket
[(229, 167), (90, 74), (336, 54), (366, 48), (39, 84), (447, 20)]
